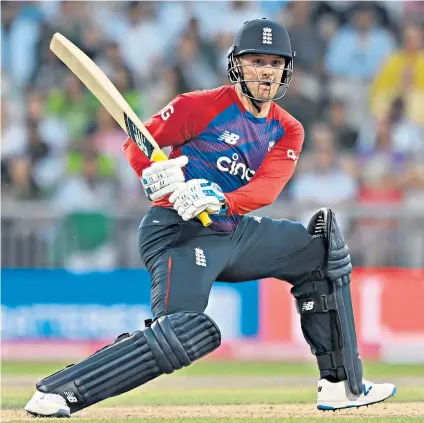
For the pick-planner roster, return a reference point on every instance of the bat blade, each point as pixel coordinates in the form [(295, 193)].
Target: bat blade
[(103, 89)]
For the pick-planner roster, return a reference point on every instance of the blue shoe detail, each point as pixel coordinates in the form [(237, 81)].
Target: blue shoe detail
[(366, 391), (325, 407), (393, 392)]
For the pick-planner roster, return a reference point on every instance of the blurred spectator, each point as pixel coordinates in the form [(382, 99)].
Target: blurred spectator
[(231, 15), (272, 8), (92, 42), (36, 149), (85, 238), (362, 146), (412, 246), (87, 191), (358, 50), (305, 37), (123, 82), (205, 46), (381, 177), (142, 39), (52, 129), (320, 182), (111, 60), (20, 33), (381, 169), (413, 11), (13, 134), (74, 104), (222, 44), (21, 185), (160, 95), (196, 71), (108, 136), (344, 134), (174, 16), (299, 105), (70, 19), (406, 136), (402, 76)]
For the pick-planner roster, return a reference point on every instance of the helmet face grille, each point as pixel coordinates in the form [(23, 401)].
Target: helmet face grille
[(236, 75), (265, 37)]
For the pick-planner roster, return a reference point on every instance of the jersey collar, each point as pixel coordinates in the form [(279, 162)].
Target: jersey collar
[(249, 115)]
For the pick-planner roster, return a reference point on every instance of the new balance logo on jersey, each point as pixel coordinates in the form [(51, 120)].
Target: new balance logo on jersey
[(200, 257), (308, 306), (70, 396), (270, 145), (229, 138), (267, 36)]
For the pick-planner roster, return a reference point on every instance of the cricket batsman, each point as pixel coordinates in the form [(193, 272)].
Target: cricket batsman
[(232, 151)]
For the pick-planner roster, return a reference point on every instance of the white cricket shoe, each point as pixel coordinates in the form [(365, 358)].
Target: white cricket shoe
[(335, 396), (47, 405)]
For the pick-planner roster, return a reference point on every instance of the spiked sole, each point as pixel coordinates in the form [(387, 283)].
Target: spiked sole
[(329, 408), (57, 415)]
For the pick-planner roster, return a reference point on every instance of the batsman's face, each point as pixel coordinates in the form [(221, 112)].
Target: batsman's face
[(262, 74)]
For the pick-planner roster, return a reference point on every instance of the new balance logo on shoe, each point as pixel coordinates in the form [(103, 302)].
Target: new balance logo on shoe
[(200, 257), (229, 138), (319, 388), (70, 396), (308, 306), (367, 391)]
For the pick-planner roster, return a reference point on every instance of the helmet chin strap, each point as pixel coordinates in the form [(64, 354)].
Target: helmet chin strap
[(249, 95)]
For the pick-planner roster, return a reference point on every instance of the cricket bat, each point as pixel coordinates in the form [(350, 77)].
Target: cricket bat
[(103, 89)]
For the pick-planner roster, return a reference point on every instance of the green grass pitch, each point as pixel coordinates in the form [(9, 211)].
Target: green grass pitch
[(212, 392)]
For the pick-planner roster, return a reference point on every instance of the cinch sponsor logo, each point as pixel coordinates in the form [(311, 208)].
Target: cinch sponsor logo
[(233, 167)]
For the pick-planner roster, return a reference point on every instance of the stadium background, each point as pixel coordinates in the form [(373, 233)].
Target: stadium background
[(71, 205)]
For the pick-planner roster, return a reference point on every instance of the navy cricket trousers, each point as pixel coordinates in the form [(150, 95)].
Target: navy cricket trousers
[(184, 259)]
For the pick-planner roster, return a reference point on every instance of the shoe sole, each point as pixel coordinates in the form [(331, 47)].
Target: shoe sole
[(60, 414), (329, 408)]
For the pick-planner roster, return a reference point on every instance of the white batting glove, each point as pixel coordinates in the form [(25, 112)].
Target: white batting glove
[(162, 178), (197, 195)]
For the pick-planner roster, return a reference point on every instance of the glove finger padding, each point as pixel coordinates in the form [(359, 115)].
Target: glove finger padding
[(161, 178), (192, 211), (165, 186), (179, 195), (152, 178), (168, 189)]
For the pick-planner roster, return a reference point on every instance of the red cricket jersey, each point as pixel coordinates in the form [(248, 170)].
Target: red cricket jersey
[(250, 158)]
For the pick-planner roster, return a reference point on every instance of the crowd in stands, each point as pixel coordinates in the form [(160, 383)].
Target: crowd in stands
[(358, 89)]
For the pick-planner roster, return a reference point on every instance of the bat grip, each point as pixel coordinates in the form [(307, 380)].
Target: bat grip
[(204, 218), (159, 156)]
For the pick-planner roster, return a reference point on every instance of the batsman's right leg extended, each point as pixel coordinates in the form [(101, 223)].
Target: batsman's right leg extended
[(316, 261)]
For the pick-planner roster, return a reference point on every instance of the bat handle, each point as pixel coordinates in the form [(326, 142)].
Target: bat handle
[(159, 156), (204, 218)]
